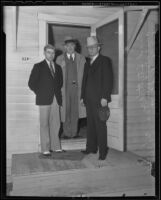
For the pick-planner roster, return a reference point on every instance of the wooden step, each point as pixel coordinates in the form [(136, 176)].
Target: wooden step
[(121, 173), (84, 181)]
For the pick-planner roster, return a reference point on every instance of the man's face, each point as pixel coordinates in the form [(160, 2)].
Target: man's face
[(49, 54), (93, 50), (70, 47)]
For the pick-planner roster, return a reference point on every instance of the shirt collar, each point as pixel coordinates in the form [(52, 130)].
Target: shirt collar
[(94, 57), (48, 62), (73, 55)]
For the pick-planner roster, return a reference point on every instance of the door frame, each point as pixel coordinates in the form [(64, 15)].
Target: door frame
[(45, 19), (120, 97)]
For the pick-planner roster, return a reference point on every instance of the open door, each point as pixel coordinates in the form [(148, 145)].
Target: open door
[(110, 32)]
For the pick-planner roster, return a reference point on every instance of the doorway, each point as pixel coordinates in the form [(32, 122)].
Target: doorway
[(56, 35), (93, 26)]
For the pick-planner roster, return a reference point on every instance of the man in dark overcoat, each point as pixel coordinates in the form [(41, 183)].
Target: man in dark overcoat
[(96, 92)]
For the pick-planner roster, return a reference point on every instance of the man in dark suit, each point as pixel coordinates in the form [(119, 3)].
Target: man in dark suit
[(46, 81), (96, 92)]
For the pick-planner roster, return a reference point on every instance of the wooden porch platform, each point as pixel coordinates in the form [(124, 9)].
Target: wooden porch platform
[(73, 174)]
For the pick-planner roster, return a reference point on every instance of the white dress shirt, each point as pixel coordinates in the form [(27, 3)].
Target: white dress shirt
[(94, 58), (73, 55)]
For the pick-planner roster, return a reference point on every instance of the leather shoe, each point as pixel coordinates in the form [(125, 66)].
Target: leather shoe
[(65, 137), (41, 156), (62, 151), (88, 152), (102, 157), (77, 136)]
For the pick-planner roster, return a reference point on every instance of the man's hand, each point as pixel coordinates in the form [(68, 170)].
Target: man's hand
[(103, 102), (81, 102)]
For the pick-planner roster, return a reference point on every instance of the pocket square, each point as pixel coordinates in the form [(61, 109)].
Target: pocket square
[(104, 113)]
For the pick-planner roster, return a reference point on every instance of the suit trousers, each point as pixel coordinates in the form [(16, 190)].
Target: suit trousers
[(49, 126), (72, 113), (96, 130)]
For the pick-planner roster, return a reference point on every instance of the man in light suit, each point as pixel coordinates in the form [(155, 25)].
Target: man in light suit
[(96, 92), (46, 81), (72, 64)]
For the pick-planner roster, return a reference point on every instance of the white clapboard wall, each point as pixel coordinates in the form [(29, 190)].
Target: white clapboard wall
[(22, 51), (22, 114)]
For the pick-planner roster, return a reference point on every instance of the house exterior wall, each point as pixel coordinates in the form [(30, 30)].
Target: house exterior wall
[(140, 88), (23, 115)]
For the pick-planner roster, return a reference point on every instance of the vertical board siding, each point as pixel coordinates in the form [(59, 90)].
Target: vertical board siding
[(140, 115)]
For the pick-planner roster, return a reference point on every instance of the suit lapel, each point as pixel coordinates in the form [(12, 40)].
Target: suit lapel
[(77, 57), (65, 70), (46, 64), (47, 67), (94, 65)]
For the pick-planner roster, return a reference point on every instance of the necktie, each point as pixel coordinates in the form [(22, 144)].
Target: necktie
[(51, 69)]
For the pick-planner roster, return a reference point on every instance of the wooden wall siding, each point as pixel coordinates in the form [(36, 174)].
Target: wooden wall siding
[(22, 114), (140, 115)]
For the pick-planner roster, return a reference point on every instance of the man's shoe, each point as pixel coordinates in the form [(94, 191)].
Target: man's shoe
[(42, 155), (88, 152), (58, 151), (85, 152), (77, 136), (102, 157), (65, 137)]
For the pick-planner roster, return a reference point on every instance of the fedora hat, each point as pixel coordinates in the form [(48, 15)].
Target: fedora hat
[(92, 40), (68, 39)]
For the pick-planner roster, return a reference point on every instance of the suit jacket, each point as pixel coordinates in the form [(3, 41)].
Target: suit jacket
[(44, 85), (101, 76)]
